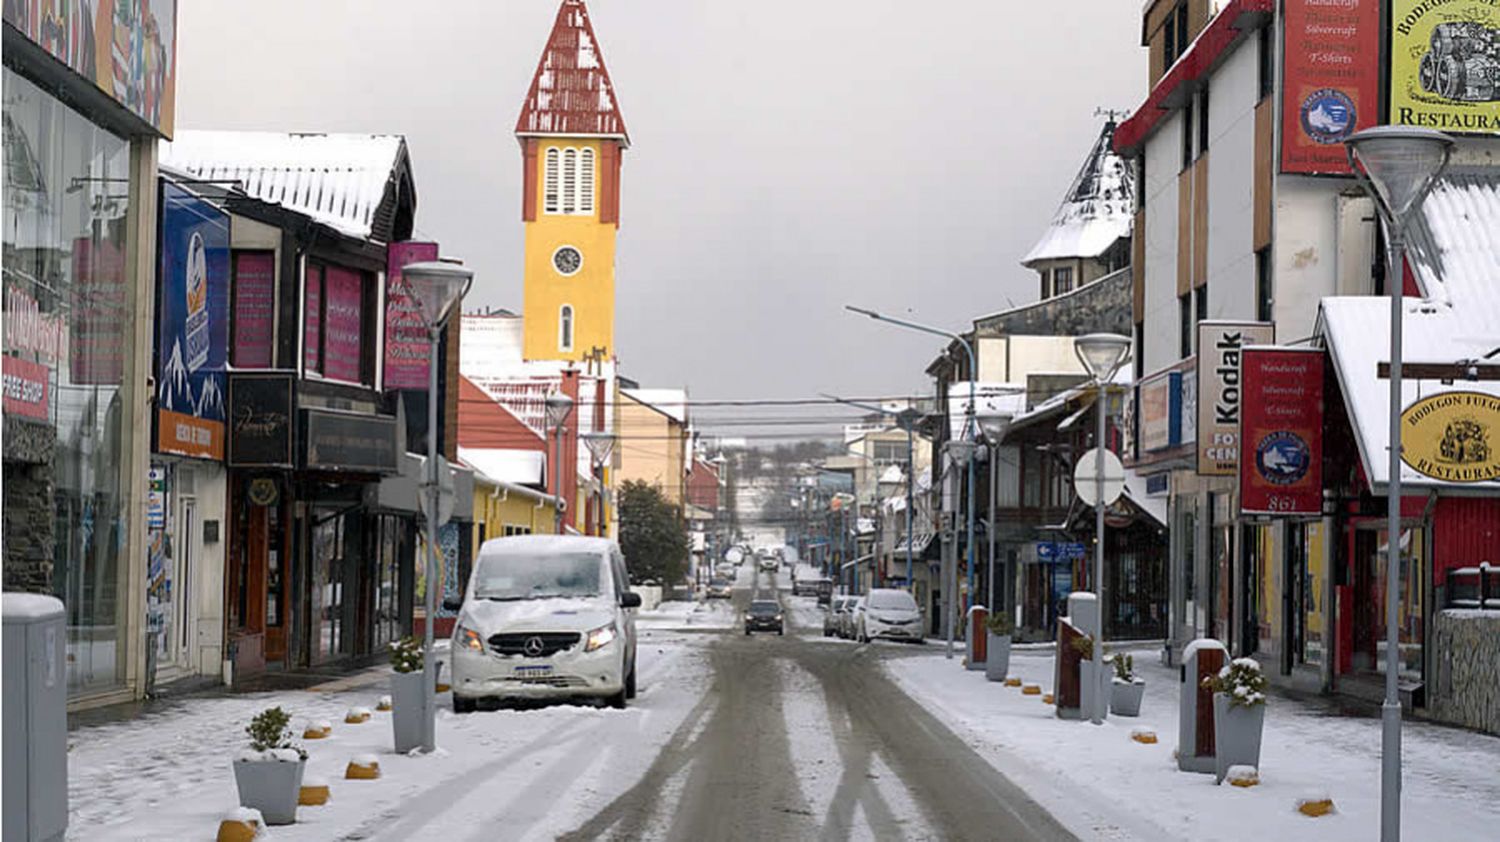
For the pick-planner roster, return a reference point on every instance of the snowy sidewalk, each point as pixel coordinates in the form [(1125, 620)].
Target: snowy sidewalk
[(1103, 785), (167, 775)]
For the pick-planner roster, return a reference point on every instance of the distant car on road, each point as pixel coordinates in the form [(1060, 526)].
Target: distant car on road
[(719, 589), (769, 565), (764, 615), (890, 614), (833, 617)]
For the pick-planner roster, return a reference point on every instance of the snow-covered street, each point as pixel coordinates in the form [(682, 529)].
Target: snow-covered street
[(1102, 784)]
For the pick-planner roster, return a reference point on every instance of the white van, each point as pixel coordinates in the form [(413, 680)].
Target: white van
[(545, 616)]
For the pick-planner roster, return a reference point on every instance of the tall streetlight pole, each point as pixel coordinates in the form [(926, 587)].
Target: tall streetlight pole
[(559, 405), (994, 426), (1101, 355), (1397, 165), (437, 287), (969, 429)]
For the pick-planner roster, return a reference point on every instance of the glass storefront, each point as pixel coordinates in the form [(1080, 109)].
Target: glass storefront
[(67, 307)]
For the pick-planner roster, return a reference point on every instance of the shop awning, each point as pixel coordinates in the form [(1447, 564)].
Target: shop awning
[(1455, 257)]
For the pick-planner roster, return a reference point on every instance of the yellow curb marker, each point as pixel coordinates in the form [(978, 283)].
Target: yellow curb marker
[(1031, 690), (362, 769), (314, 795), (233, 830), (1315, 807), (1047, 698), (1012, 682)]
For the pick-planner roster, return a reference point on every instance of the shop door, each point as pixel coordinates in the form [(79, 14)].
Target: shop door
[(187, 557), (1367, 603)]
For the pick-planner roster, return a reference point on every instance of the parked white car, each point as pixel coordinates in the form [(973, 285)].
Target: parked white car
[(890, 614), (849, 620), (545, 616)]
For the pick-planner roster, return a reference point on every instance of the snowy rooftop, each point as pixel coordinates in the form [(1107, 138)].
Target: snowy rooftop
[(339, 180), (1097, 210), (1455, 255), (516, 467), (571, 93)]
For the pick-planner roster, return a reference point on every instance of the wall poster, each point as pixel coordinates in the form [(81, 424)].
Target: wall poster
[(192, 343)]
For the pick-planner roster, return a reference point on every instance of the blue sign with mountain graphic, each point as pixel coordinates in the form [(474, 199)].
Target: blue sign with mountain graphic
[(192, 317)]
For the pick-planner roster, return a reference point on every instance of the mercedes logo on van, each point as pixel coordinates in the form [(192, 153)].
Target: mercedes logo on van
[(533, 647)]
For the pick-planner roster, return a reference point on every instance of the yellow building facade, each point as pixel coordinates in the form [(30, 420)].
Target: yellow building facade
[(502, 508)]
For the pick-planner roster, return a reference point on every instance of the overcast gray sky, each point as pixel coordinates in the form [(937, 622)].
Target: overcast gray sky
[(788, 157)]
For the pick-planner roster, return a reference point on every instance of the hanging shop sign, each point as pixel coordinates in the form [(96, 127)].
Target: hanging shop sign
[(192, 321), (1281, 431), (406, 344), (260, 420), (1453, 436), (126, 48), (1331, 69), (1445, 65), (1219, 394), (349, 441), (343, 316), (254, 308)]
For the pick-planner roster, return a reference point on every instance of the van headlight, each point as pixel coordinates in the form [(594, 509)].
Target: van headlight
[(468, 639), (600, 638)]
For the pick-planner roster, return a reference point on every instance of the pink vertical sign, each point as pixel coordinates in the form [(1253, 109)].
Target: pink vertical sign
[(342, 313), (312, 314), (254, 306), (406, 344)]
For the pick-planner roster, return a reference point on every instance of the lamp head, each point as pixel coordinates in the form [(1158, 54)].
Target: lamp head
[(1400, 163), (994, 426), (600, 444), (1101, 353), (436, 286), (558, 407), (962, 449)]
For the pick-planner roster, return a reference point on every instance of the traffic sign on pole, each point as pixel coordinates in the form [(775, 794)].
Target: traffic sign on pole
[(1085, 483)]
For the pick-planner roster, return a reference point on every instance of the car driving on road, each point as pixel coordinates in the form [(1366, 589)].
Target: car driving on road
[(890, 614), (545, 616), (719, 589), (764, 615)]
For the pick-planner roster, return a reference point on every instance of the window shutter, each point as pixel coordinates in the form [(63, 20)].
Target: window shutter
[(570, 180), (549, 187), (586, 182)]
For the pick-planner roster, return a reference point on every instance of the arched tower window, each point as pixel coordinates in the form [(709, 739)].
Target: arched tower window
[(586, 181), (570, 180), (565, 328), (549, 181)]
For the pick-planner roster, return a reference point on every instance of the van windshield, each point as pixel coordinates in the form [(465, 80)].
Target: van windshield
[(514, 576)]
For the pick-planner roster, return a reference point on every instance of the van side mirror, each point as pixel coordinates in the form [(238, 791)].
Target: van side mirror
[(451, 604), (630, 599)]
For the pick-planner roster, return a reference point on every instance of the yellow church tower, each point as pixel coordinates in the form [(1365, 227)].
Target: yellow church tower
[(572, 139)]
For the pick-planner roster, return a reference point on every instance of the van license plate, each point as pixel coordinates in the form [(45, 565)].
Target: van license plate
[(533, 671)]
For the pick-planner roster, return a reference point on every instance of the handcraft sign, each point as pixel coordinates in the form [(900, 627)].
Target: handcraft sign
[(1281, 426), (1220, 393), (1453, 436), (1332, 81), (1445, 65)]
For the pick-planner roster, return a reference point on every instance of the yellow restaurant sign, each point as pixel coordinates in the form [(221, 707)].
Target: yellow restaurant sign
[(1445, 65), (1453, 436)]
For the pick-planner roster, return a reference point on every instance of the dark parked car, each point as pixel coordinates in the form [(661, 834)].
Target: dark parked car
[(764, 615)]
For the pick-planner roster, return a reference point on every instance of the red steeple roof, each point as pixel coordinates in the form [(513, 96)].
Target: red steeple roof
[(571, 93)]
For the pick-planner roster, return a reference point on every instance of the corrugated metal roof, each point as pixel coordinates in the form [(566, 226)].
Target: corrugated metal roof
[(1455, 256), (339, 180), (1097, 210), (571, 93)]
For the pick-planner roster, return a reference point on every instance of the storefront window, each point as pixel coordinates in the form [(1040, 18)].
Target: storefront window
[(1409, 602), (66, 195), (1315, 596)]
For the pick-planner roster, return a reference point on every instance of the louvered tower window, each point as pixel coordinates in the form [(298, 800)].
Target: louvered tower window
[(570, 180), (586, 181), (549, 185)]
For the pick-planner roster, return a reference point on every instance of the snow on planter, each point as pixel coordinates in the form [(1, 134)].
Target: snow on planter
[(357, 715), (314, 792), (363, 767), (285, 755), (1143, 735), (242, 824), (1315, 804), (1243, 776), (384, 703)]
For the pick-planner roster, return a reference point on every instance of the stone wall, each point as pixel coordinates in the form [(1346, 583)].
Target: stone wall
[(1467, 689), (28, 518)]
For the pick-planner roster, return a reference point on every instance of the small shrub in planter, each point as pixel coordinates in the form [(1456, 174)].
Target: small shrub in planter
[(269, 775), (408, 701), (998, 627), (1084, 646), (1239, 714), (1127, 689)]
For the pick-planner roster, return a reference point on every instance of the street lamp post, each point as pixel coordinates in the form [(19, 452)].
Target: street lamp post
[(958, 450), (994, 426), (600, 444), (968, 433), (907, 419), (1398, 165), (437, 287), (1101, 355), (558, 407)]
